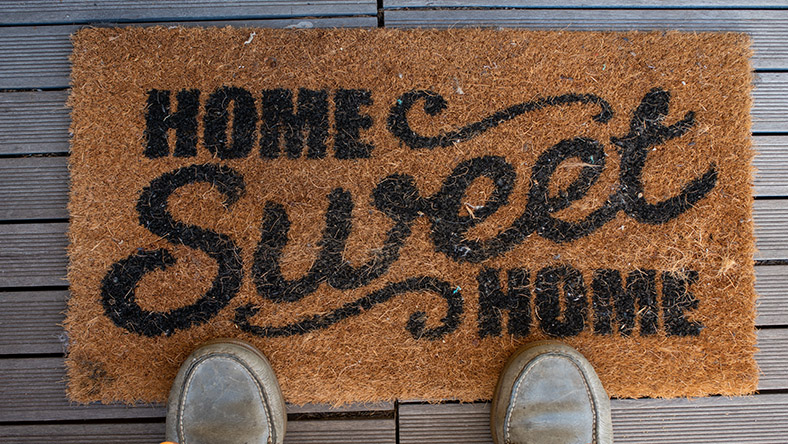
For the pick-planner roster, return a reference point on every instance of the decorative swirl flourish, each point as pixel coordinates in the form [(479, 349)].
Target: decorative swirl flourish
[(416, 323), (434, 104)]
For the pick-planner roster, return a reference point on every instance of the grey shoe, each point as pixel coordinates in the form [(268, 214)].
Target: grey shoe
[(226, 392), (548, 393)]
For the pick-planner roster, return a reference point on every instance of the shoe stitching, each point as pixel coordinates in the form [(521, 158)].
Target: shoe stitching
[(182, 401), (191, 376), (585, 385), (591, 401)]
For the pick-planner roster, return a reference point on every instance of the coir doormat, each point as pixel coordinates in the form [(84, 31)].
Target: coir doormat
[(390, 214)]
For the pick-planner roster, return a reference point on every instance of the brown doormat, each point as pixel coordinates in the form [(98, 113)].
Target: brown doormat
[(390, 214)]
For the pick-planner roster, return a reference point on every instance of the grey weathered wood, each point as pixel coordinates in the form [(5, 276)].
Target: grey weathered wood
[(37, 122), (565, 4), (772, 358), (374, 431), (770, 102), (319, 432), (34, 388), (33, 254), (33, 122), (768, 28), (39, 12), (771, 164), (30, 322), (37, 187), (32, 57), (37, 57), (751, 419), (771, 229), (33, 188), (771, 285), (133, 433)]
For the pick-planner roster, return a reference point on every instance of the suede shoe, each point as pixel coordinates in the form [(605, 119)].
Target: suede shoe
[(226, 392), (548, 393)]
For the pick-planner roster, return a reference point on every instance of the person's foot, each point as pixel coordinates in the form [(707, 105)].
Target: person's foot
[(226, 392), (548, 393)]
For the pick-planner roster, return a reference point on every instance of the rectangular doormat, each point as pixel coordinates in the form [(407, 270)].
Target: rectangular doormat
[(390, 214)]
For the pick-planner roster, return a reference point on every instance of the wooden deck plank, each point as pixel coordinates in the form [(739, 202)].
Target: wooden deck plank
[(770, 102), (566, 4), (373, 431), (771, 285), (30, 322), (717, 420), (767, 27), (37, 187), (34, 188), (34, 388), (771, 164), (772, 359), (21, 332), (34, 254), (771, 229), (380, 431), (37, 57), (33, 122), (134, 433), (32, 57), (38, 12)]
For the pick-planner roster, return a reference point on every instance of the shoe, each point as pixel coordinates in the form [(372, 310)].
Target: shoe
[(226, 392), (548, 393)]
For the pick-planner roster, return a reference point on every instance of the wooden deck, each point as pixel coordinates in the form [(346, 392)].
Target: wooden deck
[(34, 70)]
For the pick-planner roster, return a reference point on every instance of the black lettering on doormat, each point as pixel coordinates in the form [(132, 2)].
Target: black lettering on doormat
[(119, 285), (554, 299), (416, 324)]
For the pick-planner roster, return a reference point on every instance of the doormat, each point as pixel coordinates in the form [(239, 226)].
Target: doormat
[(390, 214)]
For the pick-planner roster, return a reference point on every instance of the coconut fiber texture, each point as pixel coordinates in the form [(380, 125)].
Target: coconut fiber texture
[(390, 214)]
